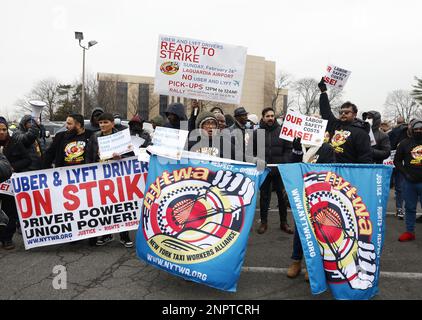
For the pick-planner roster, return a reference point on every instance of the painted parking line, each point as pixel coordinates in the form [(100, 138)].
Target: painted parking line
[(384, 274), (389, 213)]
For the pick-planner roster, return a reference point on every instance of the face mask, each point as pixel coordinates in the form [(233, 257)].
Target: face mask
[(417, 135), (370, 121)]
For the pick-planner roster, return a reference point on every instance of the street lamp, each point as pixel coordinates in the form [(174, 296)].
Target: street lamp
[(80, 36)]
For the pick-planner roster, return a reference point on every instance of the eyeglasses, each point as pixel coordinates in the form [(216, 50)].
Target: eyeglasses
[(210, 123), (344, 112)]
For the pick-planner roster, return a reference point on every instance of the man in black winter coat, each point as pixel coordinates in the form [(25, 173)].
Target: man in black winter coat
[(28, 134), (276, 151), (382, 149), (18, 160), (408, 160), (349, 135), (175, 113), (93, 125)]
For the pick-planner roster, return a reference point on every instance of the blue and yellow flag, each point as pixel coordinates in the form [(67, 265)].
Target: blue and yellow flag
[(196, 218), (339, 211)]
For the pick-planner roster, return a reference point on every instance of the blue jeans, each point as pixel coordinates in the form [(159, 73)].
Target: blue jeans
[(297, 246), (398, 188), (411, 193)]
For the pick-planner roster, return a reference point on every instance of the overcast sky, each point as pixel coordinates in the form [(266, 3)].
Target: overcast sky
[(380, 41)]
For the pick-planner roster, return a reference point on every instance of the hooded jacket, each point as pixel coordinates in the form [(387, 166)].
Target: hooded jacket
[(30, 140), (408, 158), (217, 145), (92, 126), (5, 169), (179, 110), (382, 149), (398, 134), (350, 141), (135, 127)]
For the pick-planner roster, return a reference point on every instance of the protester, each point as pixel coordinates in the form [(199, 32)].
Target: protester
[(28, 134), (229, 120), (106, 123), (276, 151), (307, 154), (93, 125), (217, 110), (69, 147), (382, 149), (118, 122), (408, 160), (193, 115), (209, 139), (157, 121), (396, 135), (175, 113), (385, 127), (136, 128), (349, 135), (14, 157), (239, 133), (221, 121)]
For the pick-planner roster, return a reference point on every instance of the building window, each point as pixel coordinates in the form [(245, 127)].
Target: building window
[(121, 99), (164, 101), (143, 101)]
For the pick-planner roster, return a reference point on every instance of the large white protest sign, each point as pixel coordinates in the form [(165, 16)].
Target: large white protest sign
[(199, 69), (336, 77), (168, 142), (73, 203), (116, 143), (311, 130)]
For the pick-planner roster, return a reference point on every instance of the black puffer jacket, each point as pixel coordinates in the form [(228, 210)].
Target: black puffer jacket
[(16, 154), (276, 150), (350, 141), (5, 169), (30, 139), (92, 126), (382, 149), (398, 134)]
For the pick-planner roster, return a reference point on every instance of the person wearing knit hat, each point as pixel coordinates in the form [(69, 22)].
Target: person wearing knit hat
[(157, 121), (18, 157), (408, 160), (136, 129)]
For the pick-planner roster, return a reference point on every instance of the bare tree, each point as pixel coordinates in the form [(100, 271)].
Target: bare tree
[(401, 103), (306, 96), (45, 90), (283, 81)]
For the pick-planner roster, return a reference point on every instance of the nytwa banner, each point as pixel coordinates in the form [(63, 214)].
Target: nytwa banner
[(339, 211), (74, 203), (196, 219)]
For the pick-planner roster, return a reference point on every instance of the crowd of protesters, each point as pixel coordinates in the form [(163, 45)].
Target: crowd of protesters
[(241, 136)]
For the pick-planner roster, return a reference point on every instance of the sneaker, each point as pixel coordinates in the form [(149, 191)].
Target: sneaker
[(407, 236), (294, 269), (8, 245), (104, 240), (262, 228), (125, 240), (400, 213), (286, 228)]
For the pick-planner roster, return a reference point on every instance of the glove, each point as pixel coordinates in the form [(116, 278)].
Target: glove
[(297, 145), (322, 86)]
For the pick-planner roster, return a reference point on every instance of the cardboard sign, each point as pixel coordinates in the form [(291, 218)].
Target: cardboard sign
[(311, 130), (119, 143), (168, 142), (336, 77), (199, 69)]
